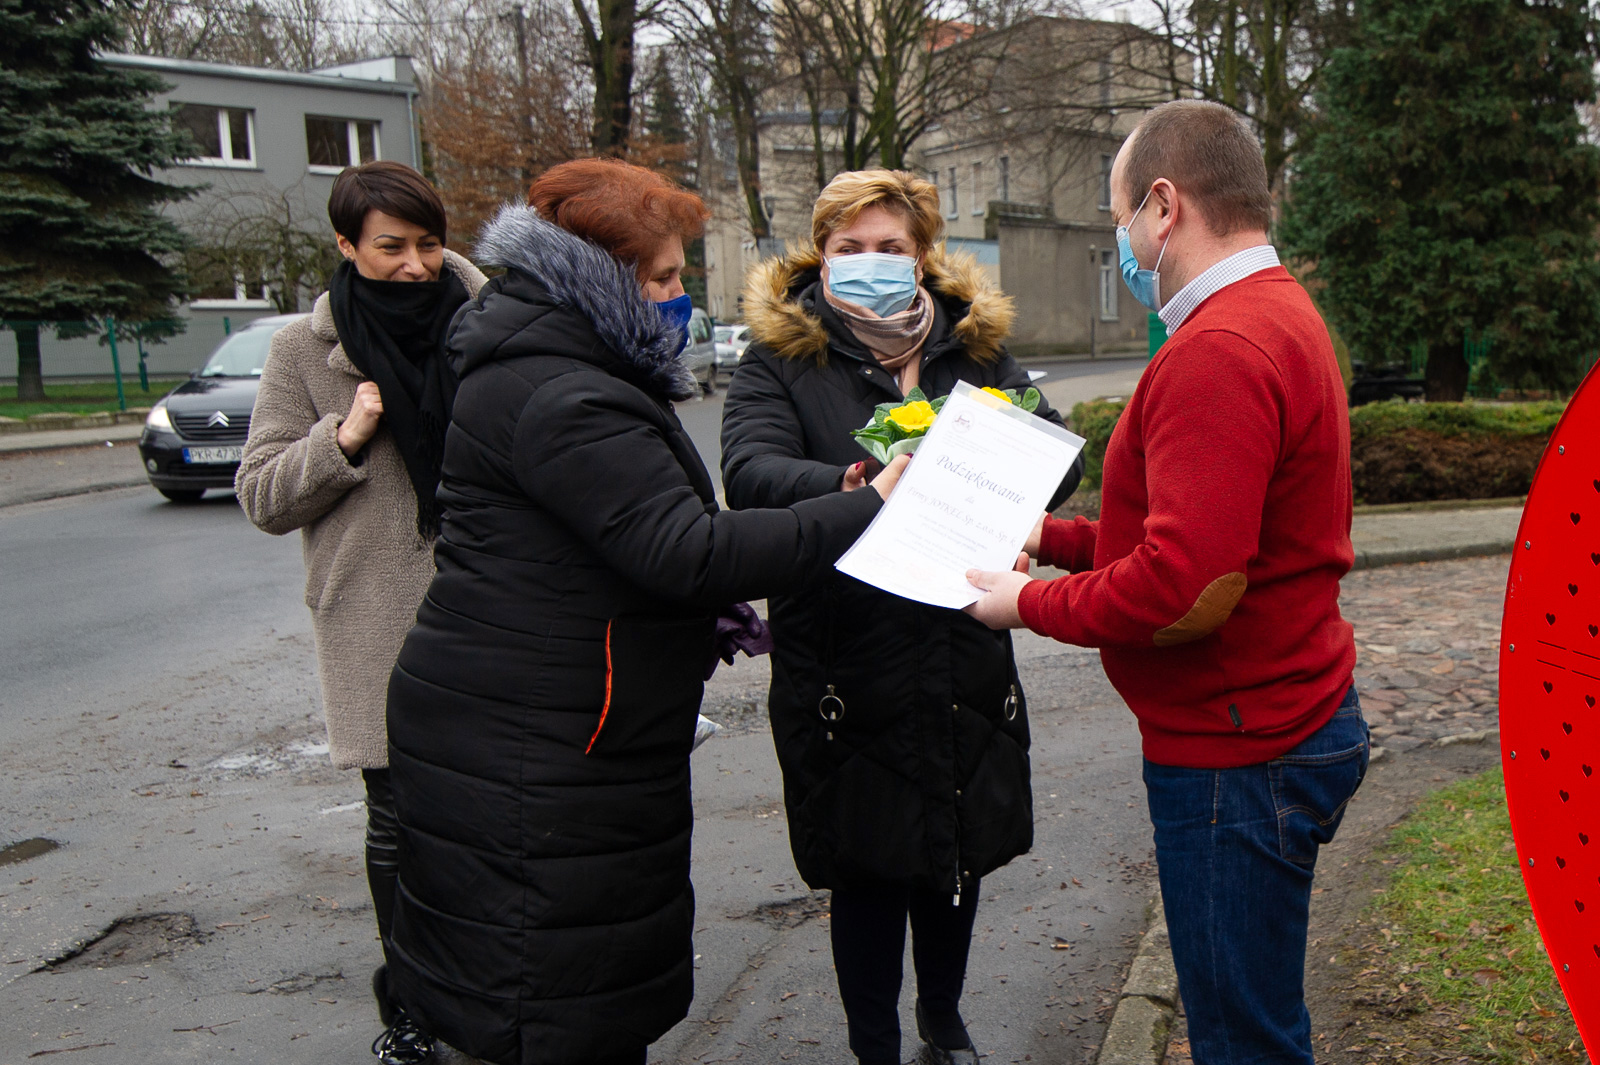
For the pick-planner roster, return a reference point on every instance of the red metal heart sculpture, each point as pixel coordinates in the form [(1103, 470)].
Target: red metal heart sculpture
[(1549, 681)]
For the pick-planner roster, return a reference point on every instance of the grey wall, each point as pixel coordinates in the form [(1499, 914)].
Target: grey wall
[(1047, 270), (280, 110)]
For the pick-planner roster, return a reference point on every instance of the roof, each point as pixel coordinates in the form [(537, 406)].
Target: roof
[(336, 82)]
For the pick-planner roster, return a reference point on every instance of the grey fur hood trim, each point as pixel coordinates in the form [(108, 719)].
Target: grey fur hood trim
[(588, 279)]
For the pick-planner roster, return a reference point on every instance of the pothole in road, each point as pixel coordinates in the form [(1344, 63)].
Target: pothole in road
[(25, 849), (131, 941), (790, 913)]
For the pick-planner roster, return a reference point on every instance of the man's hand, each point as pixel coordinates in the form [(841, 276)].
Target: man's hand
[(884, 482), (1032, 546), (362, 422), (998, 606)]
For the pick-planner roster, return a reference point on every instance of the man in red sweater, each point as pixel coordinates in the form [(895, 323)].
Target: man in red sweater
[(1211, 581)]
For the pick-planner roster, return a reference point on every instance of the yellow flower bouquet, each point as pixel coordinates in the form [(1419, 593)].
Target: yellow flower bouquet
[(897, 428)]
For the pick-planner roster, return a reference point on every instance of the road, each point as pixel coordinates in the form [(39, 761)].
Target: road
[(159, 719)]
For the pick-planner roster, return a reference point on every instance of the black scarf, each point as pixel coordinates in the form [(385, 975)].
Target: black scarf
[(393, 332)]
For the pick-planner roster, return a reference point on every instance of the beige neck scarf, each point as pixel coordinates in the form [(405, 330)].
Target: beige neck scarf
[(896, 341)]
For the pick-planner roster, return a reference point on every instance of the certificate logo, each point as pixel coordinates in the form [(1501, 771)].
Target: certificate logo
[(963, 423)]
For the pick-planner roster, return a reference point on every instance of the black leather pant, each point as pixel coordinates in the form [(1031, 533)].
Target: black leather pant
[(383, 849)]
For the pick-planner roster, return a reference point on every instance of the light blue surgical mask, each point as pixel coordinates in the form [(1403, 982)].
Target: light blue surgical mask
[(1144, 284), (677, 314), (883, 284)]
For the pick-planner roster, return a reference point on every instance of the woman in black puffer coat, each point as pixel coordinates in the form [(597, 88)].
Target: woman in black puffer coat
[(902, 728), (542, 710)]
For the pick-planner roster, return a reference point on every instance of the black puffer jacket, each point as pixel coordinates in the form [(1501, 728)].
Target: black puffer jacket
[(923, 780), (542, 709)]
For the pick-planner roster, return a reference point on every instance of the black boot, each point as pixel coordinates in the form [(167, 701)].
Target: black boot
[(941, 1052)]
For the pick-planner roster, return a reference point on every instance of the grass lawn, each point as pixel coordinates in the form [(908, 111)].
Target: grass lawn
[(1458, 918), (85, 398)]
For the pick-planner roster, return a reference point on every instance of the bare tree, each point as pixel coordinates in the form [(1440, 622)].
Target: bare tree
[(731, 41), (1263, 58), (274, 244), (288, 34)]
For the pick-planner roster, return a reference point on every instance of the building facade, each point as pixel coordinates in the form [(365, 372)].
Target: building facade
[(1023, 172), (271, 142)]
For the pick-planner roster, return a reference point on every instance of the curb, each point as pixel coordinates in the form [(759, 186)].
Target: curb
[(1142, 1021), (46, 423), (21, 446), (1394, 556)]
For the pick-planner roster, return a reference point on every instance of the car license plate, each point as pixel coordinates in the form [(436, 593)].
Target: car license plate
[(213, 456)]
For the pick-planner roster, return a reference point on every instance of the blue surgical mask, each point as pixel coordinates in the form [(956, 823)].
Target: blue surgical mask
[(1144, 284), (677, 314), (883, 284)]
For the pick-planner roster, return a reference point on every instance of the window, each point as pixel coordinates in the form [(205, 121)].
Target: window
[(1002, 185), (226, 136), (335, 143), (1105, 181), (977, 188), (954, 208), (1108, 285)]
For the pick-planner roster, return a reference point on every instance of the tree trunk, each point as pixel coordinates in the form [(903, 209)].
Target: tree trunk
[(30, 379), (1445, 380), (610, 47)]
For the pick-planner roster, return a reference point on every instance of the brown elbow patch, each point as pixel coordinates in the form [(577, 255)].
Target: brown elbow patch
[(1211, 608)]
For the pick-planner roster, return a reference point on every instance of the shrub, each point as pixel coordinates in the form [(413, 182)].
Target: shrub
[(1404, 452), (1410, 452), (1094, 421)]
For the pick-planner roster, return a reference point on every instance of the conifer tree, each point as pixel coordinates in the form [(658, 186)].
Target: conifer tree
[(1448, 191), (81, 234)]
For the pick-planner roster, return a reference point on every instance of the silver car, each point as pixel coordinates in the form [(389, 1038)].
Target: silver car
[(731, 342), (701, 355)]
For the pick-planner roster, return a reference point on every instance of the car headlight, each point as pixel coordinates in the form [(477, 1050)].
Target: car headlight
[(158, 418)]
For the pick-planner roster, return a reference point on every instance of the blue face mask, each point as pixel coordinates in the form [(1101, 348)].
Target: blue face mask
[(883, 284), (677, 314), (1144, 284)]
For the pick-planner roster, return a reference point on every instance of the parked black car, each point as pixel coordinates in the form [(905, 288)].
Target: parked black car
[(194, 436)]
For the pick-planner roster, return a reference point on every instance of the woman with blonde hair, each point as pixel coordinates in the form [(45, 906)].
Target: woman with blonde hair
[(901, 728)]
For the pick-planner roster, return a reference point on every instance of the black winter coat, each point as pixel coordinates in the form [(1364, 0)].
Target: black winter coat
[(542, 710), (923, 779)]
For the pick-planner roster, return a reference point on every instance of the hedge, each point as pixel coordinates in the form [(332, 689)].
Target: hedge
[(1404, 452)]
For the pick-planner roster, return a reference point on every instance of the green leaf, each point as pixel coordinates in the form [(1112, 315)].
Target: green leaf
[(876, 448), (938, 404), (904, 447), (916, 395), (1030, 400)]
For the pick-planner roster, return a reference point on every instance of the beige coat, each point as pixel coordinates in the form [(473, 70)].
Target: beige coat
[(367, 568)]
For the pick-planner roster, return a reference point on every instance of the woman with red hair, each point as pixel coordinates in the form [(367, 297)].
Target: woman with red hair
[(543, 708)]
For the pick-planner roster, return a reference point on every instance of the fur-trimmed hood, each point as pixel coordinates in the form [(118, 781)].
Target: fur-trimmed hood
[(981, 313), (589, 281)]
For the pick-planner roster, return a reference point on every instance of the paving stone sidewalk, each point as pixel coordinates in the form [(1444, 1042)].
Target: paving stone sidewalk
[(1427, 639)]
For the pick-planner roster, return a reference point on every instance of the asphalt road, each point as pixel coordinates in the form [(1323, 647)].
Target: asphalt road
[(159, 719)]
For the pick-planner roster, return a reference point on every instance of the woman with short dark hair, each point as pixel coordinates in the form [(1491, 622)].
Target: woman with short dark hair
[(543, 709), (345, 445)]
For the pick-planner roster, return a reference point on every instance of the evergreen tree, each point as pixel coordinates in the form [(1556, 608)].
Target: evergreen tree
[(1448, 193), (81, 236), (664, 116)]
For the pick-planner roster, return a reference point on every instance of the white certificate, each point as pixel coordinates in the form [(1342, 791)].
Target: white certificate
[(978, 483)]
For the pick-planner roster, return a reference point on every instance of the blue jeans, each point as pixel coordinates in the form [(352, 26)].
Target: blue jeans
[(1236, 849)]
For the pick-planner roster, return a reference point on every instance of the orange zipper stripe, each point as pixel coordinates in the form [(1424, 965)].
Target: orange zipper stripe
[(606, 709)]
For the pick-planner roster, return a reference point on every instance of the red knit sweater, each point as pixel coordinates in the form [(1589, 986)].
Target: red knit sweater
[(1211, 581)]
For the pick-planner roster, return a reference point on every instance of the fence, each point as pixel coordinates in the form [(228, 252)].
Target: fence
[(89, 357)]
